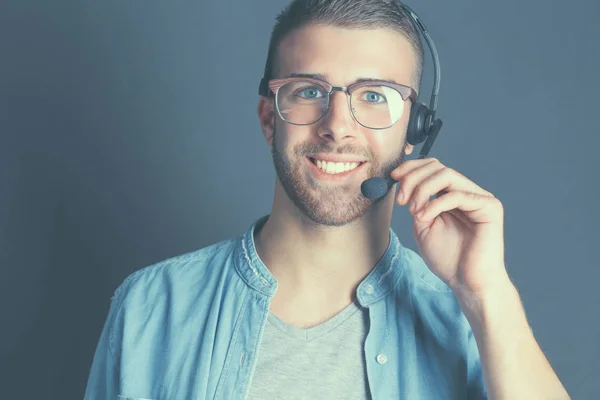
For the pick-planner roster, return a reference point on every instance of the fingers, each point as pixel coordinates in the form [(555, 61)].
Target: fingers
[(411, 177), (480, 208), (420, 179)]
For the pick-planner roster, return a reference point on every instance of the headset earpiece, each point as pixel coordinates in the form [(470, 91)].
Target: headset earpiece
[(417, 130)]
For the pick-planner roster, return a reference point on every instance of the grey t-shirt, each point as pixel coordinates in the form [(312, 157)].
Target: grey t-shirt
[(325, 361)]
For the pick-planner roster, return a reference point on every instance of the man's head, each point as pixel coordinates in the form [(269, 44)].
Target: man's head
[(342, 41)]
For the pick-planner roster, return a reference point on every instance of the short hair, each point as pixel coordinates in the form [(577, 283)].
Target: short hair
[(366, 14)]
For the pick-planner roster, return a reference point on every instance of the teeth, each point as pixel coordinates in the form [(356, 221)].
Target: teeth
[(336, 168)]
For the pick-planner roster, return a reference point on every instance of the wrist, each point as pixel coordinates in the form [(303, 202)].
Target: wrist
[(482, 301)]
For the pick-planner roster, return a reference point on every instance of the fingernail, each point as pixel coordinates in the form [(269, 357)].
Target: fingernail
[(400, 197)]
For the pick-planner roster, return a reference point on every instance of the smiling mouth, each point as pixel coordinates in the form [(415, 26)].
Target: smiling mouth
[(335, 168)]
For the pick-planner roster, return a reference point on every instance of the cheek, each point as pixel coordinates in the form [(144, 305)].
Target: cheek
[(291, 139), (386, 145)]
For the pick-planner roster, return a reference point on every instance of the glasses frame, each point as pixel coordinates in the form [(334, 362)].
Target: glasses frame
[(406, 92)]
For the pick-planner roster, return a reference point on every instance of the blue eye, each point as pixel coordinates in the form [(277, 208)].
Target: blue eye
[(310, 93), (374, 97)]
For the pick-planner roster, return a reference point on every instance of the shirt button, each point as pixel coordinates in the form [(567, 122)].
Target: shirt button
[(381, 359), (369, 289)]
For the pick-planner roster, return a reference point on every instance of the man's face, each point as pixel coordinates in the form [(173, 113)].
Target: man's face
[(342, 56)]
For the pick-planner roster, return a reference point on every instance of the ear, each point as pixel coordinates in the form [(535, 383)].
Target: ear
[(408, 149), (266, 115)]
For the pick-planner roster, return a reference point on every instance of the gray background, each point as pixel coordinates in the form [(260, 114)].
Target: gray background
[(129, 135)]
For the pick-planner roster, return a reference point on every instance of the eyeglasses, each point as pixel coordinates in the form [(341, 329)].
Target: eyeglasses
[(374, 104)]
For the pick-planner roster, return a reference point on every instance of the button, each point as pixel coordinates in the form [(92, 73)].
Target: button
[(381, 359), (369, 289)]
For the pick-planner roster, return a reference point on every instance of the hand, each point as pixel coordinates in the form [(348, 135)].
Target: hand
[(460, 232)]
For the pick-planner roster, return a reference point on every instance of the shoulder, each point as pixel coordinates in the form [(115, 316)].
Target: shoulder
[(419, 276), (430, 300), (173, 275), (151, 298)]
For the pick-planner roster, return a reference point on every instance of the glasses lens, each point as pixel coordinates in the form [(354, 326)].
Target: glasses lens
[(301, 102), (377, 107)]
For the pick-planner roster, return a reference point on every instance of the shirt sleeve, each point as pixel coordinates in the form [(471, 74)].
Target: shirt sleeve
[(103, 381)]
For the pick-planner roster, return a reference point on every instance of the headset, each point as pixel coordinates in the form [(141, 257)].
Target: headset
[(422, 125)]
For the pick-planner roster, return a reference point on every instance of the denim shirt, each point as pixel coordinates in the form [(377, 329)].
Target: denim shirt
[(190, 327)]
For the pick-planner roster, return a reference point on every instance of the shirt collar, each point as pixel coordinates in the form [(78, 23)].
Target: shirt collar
[(380, 281)]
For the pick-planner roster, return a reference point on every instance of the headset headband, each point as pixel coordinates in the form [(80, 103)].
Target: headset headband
[(436, 62)]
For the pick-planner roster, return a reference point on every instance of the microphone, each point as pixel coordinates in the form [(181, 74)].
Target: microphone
[(374, 188)]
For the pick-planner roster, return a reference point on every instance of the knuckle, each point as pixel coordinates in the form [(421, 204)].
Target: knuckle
[(446, 171), (497, 203)]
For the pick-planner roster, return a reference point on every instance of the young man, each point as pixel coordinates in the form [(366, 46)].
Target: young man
[(319, 299)]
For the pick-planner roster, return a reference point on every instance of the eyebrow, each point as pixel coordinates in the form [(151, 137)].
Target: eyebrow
[(324, 78)]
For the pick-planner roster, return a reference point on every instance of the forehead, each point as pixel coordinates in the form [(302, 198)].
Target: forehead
[(346, 54)]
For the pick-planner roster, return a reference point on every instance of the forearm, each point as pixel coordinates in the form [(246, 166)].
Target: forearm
[(514, 366)]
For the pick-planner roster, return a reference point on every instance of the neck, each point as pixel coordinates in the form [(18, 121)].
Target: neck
[(322, 263)]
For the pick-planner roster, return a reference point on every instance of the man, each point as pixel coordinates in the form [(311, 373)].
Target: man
[(319, 299)]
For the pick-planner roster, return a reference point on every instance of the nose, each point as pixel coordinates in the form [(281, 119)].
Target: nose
[(337, 124)]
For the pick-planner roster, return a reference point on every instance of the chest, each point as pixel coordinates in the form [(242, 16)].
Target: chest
[(306, 313)]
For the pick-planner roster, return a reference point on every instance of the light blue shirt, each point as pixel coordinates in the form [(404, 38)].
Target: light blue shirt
[(190, 327)]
